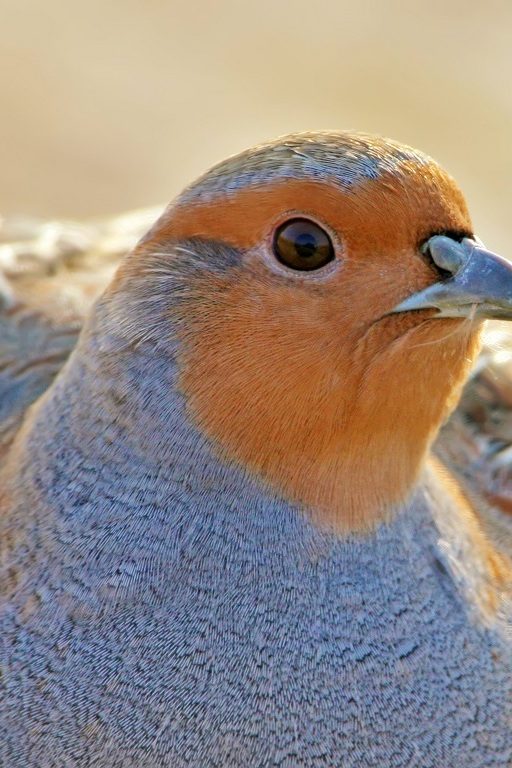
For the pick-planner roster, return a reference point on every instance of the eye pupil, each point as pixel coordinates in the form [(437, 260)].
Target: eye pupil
[(306, 245), (303, 245)]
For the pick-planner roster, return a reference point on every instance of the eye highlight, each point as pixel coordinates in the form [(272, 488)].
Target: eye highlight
[(302, 245)]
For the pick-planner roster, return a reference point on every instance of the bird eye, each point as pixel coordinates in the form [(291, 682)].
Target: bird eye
[(303, 245)]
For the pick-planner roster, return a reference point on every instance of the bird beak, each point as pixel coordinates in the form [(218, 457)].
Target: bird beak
[(480, 283)]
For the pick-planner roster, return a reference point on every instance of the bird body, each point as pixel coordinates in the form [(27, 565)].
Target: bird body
[(226, 541)]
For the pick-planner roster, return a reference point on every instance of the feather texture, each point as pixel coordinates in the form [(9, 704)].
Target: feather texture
[(173, 598)]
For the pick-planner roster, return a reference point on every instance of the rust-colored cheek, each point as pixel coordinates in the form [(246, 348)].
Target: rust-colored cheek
[(337, 422), (298, 382)]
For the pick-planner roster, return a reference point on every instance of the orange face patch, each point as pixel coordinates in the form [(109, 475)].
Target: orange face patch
[(302, 378)]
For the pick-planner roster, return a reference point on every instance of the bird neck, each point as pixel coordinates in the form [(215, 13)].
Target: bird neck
[(113, 429), (345, 431), (110, 449), (96, 466), (119, 405)]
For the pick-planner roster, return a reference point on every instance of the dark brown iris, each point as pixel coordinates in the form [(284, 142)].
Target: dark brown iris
[(301, 244)]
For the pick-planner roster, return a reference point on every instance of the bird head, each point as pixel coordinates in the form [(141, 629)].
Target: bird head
[(325, 292)]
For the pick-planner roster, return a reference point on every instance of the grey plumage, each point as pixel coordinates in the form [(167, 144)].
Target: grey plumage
[(168, 609)]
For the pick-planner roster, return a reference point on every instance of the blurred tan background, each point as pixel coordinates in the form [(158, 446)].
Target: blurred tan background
[(108, 106)]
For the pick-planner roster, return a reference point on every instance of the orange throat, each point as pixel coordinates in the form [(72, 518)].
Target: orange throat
[(341, 428), (307, 382)]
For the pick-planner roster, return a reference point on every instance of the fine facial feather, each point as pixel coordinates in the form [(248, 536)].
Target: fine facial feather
[(324, 438)]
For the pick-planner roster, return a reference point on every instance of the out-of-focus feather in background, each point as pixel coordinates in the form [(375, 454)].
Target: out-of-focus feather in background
[(112, 106)]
